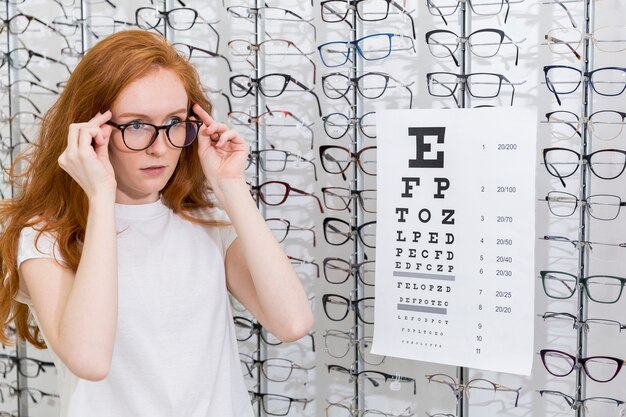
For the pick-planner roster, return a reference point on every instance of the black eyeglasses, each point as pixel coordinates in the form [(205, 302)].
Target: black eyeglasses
[(338, 231), (275, 404), (26, 87), (338, 343), (598, 368), (269, 85), (484, 43), (275, 160), (376, 378), (614, 326), (336, 307), (246, 328), (281, 228), (604, 289), (592, 405), (336, 125), (370, 85), (606, 164), (17, 24), (337, 159), (182, 18), (600, 206), (28, 367), (275, 193), (602, 124), (339, 198), (478, 84), (476, 384), (334, 11), (563, 79), (187, 51), (443, 8), (19, 58), (138, 136), (273, 369), (338, 270), (370, 47)]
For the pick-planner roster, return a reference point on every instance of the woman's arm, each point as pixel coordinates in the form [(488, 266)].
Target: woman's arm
[(258, 273), (78, 311)]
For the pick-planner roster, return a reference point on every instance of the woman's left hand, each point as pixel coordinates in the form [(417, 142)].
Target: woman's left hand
[(223, 152)]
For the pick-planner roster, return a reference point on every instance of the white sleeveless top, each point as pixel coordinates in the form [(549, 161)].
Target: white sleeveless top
[(175, 350)]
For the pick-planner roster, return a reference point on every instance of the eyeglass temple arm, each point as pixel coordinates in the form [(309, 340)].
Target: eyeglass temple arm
[(406, 13), (438, 11), (553, 89), (305, 88), (330, 158), (571, 18), (456, 61), (319, 203), (557, 40), (558, 175)]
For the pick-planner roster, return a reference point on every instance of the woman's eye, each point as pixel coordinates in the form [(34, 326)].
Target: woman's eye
[(135, 125), (174, 121)]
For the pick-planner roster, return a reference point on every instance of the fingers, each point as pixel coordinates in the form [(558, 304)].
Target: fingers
[(85, 138)]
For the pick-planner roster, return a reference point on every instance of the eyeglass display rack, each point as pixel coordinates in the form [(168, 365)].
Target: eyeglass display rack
[(584, 186)]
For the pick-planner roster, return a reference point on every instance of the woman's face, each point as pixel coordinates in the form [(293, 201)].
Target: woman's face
[(158, 98)]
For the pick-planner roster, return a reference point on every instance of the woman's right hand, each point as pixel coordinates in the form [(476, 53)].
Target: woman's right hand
[(86, 158)]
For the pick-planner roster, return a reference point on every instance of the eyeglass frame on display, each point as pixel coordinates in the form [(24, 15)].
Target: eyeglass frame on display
[(354, 270), (354, 83), (462, 79), (460, 389), (586, 120), (582, 362), (289, 227), (192, 48), (580, 282), (256, 189), (466, 39), (586, 76), (354, 5), (354, 194), (256, 82), (262, 396), (351, 341), (431, 6), (584, 202), (574, 403), (350, 305), (254, 156), (352, 374), (360, 52), (581, 158), (584, 324), (257, 47)]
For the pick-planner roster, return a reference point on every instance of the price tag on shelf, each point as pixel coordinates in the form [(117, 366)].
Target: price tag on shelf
[(455, 237)]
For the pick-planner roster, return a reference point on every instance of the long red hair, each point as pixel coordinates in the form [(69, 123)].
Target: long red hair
[(48, 197)]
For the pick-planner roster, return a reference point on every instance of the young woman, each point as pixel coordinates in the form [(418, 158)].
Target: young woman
[(112, 245)]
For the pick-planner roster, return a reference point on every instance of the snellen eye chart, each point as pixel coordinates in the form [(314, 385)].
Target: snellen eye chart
[(455, 237)]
